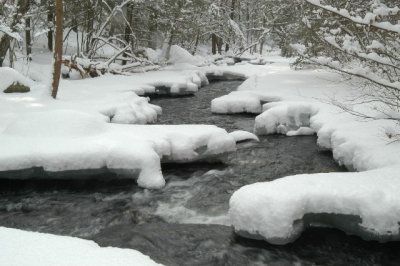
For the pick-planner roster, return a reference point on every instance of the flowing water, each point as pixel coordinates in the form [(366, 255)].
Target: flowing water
[(186, 223)]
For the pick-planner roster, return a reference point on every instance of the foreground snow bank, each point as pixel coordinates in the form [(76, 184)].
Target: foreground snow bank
[(62, 141), (365, 204), (20, 248)]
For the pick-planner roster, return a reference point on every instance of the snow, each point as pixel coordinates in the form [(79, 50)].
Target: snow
[(9, 76), (179, 55), (271, 210), (19, 248), (241, 135), (302, 103), (65, 140)]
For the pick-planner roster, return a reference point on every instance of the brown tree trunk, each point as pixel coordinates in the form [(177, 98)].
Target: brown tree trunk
[(57, 54)]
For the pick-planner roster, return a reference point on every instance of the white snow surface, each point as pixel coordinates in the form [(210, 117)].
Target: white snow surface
[(303, 106), (19, 248), (269, 209), (63, 140)]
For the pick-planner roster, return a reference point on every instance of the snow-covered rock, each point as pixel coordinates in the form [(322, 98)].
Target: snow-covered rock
[(9, 76), (19, 248), (179, 55), (290, 118), (364, 203)]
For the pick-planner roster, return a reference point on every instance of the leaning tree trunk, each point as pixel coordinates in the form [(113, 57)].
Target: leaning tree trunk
[(57, 54)]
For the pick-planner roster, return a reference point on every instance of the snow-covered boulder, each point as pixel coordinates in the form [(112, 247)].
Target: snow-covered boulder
[(236, 102), (58, 143), (19, 248), (289, 118), (9, 77), (178, 55), (366, 204)]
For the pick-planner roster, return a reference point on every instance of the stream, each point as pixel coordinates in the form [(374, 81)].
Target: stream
[(186, 222)]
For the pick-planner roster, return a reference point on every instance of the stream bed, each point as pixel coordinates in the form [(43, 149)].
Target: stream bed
[(186, 222)]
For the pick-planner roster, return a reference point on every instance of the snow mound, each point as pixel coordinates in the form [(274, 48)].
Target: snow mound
[(365, 204), (241, 135), (178, 55), (9, 76), (19, 248), (62, 141), (236, 102), (290, 118)]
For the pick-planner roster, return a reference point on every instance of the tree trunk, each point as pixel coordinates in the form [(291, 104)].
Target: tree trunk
[(28, 41), (4, 46), (57, 54), (50, 21), (128, 28), (213, 43)]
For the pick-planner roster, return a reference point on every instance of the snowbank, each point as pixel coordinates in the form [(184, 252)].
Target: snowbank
[(64, 140), (365, 203), (20, 248)]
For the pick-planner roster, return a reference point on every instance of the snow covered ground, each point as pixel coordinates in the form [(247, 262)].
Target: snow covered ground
[(20, 248), (299, 103), (51, 138)]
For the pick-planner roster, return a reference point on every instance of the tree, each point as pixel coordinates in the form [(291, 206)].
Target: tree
[(57, 54), (359, 38)]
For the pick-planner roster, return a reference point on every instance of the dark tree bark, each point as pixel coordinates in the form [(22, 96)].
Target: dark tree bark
[(213, 43), (57, 54), (50, 20), (28, 40), (128, 28)]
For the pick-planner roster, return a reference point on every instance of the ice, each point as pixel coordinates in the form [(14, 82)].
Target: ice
[(65, 140), (276, 210), (241, 135), (19, 248)]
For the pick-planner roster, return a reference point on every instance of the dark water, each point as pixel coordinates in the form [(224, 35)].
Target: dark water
[(178, 224)]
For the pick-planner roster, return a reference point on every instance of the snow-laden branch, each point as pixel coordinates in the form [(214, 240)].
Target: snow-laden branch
[(358, 72), (374, 57), (368, 20)]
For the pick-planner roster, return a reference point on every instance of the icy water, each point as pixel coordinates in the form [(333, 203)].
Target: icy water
[(185, 223)]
